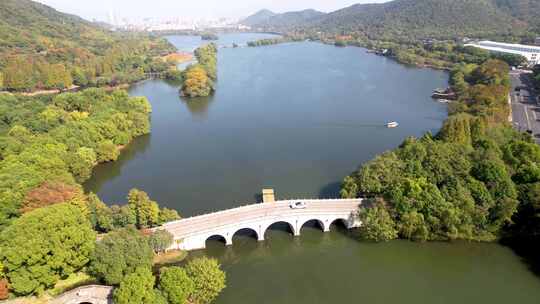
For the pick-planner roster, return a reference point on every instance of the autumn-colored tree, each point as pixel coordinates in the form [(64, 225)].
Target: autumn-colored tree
[(19, 74), (196, 83), (58, 77), (4, 289), (50, 193)]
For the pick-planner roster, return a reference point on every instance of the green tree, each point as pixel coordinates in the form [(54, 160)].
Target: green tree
[(413, 226), (79, 77), (45, 245), (377, 224), (349, 188), (100, 215), (136, 288), (146, 210), (82, 163), (457, 129), (123, 216), (176, 285), (160, 240), (120, 253), (168, 215), (107, 151), (209, 279)]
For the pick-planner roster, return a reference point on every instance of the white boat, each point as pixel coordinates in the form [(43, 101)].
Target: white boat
[(392, 124)]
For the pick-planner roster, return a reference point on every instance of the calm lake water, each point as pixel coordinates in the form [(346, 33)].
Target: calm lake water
[(296, 117), (299, 117)]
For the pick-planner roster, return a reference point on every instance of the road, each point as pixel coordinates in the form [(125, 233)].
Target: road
[(525, 105)]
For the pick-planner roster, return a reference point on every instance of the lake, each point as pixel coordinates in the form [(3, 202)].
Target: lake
[(298, 117)]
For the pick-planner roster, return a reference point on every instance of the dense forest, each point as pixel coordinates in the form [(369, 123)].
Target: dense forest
[(52, 142), (41, 48), (48, 147), (199, 78)]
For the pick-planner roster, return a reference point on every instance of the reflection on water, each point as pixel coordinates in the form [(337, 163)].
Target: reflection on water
[(111, 170), (336, 267), (279, 118), (198, 106)]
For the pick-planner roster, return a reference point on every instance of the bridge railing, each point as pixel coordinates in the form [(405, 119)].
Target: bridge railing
[(248, 205), (315, 215), (219, 222)]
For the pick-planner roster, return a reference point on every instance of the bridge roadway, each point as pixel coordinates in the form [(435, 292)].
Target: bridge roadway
[(192, 233)]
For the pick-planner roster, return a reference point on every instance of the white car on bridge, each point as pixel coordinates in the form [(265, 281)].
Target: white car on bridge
[(298, 205)]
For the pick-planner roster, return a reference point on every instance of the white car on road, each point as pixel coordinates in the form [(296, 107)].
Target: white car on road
[(298, 205)]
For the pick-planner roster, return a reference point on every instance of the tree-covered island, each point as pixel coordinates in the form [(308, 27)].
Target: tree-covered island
[(199, 78)]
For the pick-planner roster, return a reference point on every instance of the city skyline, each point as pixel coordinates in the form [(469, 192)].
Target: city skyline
[(165, 9)]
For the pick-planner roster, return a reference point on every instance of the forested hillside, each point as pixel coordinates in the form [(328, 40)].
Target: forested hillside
[(422, 19), (284, 21), (416, 19), (525, 10), (41, 48)]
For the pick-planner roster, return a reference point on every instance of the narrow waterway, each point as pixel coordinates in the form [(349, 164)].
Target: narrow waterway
[(299, 117)]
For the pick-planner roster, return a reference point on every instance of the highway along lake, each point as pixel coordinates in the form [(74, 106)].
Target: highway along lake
[(298, 117)]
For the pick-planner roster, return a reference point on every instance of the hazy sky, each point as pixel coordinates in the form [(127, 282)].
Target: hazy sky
[(99, 9)]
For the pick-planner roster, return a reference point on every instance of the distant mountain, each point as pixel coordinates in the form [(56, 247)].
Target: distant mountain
[(423, 18), (267, 19), (289, 19), (414, 19), (258, 18)]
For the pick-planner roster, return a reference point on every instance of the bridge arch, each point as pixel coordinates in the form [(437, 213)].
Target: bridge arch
[(246, 232), (280, 224), (313, 223), (339, 222), (216, 238)]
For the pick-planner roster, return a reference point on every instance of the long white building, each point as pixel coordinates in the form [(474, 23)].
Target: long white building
[(532, 53)]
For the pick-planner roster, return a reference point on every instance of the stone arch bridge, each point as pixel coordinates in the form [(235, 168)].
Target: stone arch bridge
[(91, 294), (192, 233)]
